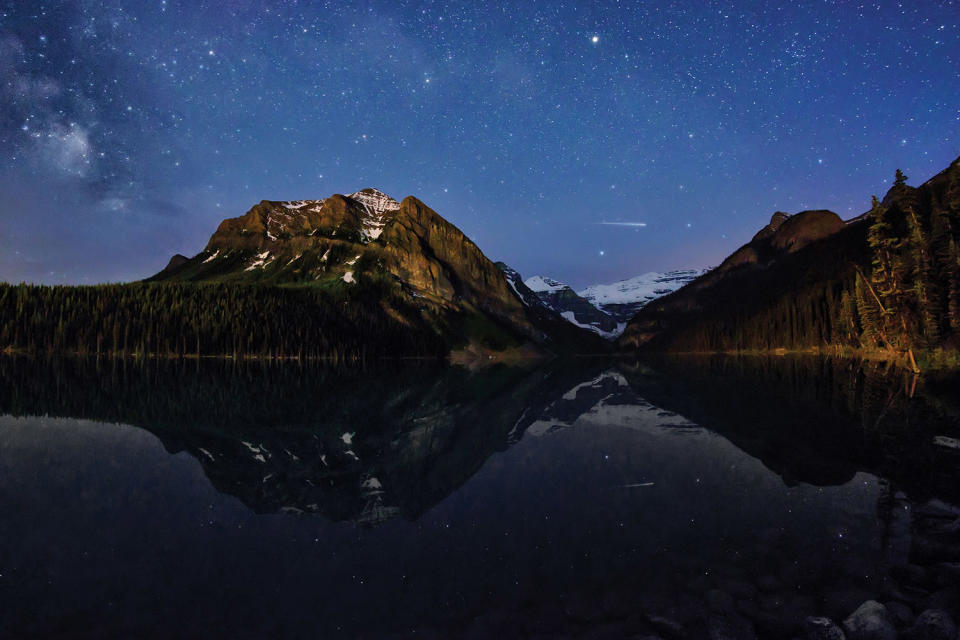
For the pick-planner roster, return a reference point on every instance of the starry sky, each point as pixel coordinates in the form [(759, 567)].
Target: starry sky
[(130, 128)]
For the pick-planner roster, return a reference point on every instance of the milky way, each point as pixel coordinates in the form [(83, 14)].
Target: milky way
[(130, 129)]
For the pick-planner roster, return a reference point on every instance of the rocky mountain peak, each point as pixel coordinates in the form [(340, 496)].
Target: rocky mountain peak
[(776, 221)]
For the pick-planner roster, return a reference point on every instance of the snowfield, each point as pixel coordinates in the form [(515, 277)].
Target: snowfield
[(646, 287)]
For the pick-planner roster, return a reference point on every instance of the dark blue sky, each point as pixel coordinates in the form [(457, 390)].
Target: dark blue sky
[(130, 129)]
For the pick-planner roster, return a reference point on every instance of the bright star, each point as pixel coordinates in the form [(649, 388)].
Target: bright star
[(595, 39)]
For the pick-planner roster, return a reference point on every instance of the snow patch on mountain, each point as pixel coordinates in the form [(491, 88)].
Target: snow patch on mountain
[(260, 261), (300, 204), (377, 208), (606, 308), (540, 284)]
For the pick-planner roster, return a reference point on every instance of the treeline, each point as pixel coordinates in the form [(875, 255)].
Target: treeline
[(911, 298), (889, 283), (161, 319)]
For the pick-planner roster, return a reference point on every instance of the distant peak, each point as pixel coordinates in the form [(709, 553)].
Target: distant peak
[(369, 191), (175, 261)]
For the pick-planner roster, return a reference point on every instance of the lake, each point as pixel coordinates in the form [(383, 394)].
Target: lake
[(684, 497)]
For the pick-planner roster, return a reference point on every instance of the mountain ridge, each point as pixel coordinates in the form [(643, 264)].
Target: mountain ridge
[(884, 282)]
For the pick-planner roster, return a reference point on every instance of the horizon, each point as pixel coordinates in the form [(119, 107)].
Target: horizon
[(132, 130)]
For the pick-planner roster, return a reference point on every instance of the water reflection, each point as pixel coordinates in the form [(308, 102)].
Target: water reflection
[(560, 499)]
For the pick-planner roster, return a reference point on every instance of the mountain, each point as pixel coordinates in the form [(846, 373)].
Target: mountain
[(557, 322), (350, 277), (885, 282), (346, 244), (577, 310), (344, 240), (602, 308), (623, 299)]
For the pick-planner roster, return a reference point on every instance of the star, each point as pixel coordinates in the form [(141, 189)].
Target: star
[(595, 39)]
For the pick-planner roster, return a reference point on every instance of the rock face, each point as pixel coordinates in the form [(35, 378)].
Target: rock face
[(800, 230), (359, 240), (525, 293)]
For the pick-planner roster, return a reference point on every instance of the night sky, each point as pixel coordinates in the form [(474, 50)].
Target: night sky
[(130, 129)]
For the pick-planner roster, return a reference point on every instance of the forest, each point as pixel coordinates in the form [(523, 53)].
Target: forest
[(215, 319)]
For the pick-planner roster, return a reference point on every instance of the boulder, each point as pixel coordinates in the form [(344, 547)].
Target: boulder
[(902, 615), (818, 628), (933, 624), (871, 621)]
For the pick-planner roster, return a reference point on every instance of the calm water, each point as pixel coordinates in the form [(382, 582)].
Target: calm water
[(574, 499)]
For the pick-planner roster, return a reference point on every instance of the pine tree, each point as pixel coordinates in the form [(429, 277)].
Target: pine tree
[(870, 313), (848, 318), (924, 290), (884, 287)]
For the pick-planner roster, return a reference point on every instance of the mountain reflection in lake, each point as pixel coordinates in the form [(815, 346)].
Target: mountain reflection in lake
[(580, 499)]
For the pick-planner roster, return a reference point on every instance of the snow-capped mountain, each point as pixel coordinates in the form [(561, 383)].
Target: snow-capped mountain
[(542, 313), (564, 301), (622, 300), (606, 308), (515, 280)]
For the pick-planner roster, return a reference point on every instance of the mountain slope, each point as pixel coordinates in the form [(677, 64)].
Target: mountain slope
[(344, 244), (886, 280)]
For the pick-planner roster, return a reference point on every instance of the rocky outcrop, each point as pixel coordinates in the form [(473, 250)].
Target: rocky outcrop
[(808, 226)]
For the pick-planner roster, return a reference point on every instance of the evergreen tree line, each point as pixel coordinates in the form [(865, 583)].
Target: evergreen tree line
[(215, 319), (911, 298)]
